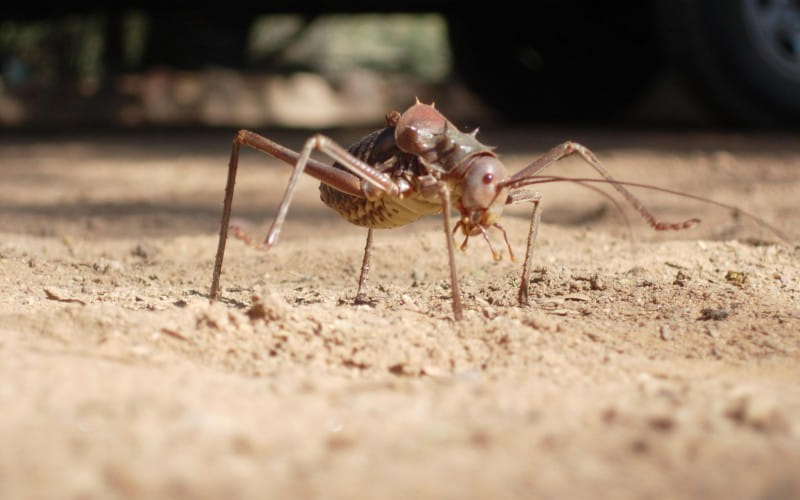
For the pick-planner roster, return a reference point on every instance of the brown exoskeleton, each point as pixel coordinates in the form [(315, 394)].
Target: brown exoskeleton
[(419, 164)]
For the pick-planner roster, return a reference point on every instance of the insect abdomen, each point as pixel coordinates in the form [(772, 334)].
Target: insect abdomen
[(384, 213)]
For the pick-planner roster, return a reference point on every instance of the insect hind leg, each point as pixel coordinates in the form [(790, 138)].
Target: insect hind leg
[(348, 180)]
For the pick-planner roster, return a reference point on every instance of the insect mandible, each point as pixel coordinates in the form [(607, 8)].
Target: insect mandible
[(418, 164)]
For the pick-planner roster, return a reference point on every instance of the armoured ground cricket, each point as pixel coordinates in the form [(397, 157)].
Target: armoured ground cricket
[(421, 164)]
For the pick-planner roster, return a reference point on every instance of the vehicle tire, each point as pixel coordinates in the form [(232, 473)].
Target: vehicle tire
[(740, 56), (582, 61)]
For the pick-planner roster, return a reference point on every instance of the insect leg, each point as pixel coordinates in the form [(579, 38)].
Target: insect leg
[(361, 296), (348, 181), (522, 196), (568, 148), (444, 194), (337, 178), (233, 165)]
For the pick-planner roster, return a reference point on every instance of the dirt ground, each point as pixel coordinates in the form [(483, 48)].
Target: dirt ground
[(649, 365)]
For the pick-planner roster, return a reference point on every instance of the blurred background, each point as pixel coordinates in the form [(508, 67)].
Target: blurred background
[(660, 63)]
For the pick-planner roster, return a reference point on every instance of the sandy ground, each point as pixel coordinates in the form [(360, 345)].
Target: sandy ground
[(649, 365)]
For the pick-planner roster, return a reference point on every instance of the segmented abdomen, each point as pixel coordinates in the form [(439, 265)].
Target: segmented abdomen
[(383, 213)]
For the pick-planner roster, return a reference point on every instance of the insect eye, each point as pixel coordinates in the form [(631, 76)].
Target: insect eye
[(488, 178)]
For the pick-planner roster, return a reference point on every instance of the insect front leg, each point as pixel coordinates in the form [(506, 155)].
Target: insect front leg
[(524, 196), (569, 148)]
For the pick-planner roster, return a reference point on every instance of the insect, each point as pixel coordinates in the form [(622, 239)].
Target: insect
[(420, 164)]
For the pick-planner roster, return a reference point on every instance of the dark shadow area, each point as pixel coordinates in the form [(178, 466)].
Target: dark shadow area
[(653, 63)]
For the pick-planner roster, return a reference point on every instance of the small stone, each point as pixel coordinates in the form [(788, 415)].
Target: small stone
[(681, 278), (737, 278), (596, 283), (710, 313), (267, 306), (662, 422)]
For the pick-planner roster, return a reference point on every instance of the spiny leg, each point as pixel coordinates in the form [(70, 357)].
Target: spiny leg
[(521, 196), (361, 296), (444, 194)]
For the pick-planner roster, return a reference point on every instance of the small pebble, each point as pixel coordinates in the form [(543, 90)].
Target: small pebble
[(713, 314)]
